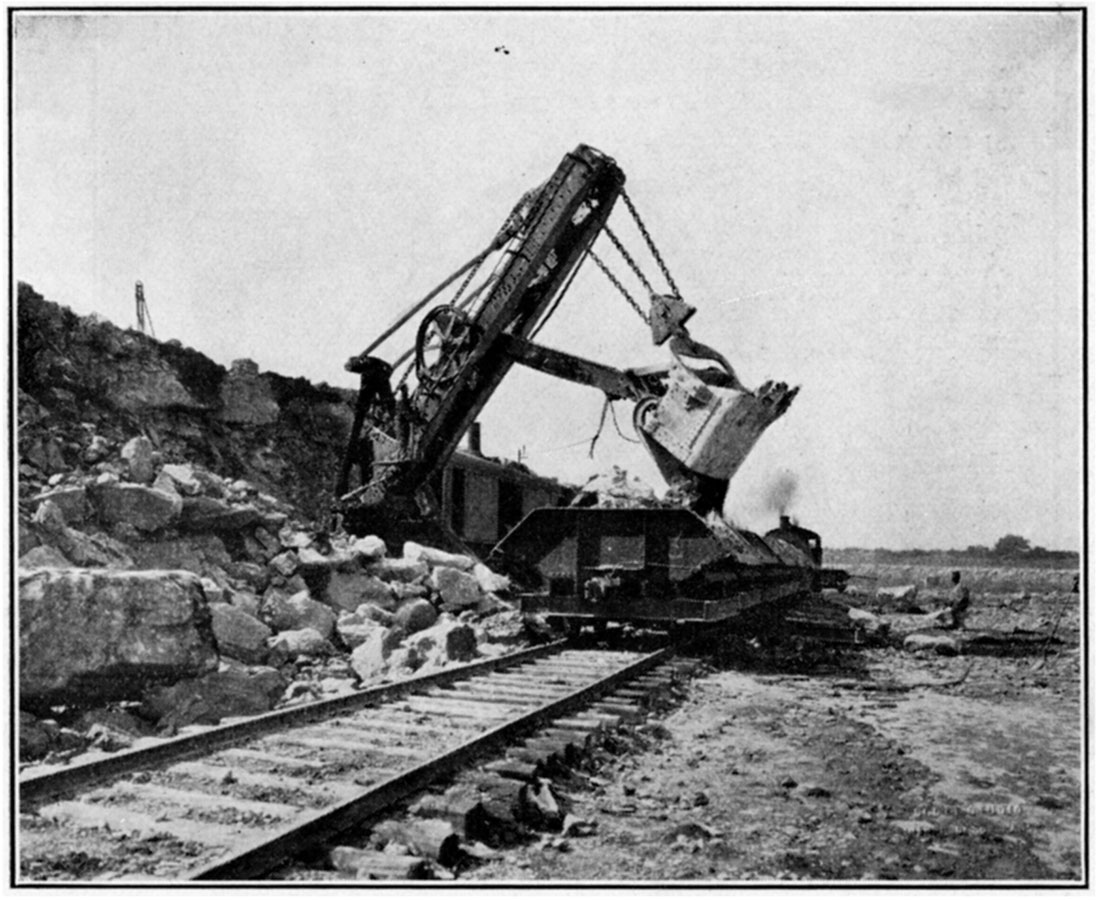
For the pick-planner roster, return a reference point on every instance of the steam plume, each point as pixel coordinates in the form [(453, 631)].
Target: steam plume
[(781, 492)]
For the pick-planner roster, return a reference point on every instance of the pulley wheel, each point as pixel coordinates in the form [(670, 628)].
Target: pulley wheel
[(644, 410), (442, 344)]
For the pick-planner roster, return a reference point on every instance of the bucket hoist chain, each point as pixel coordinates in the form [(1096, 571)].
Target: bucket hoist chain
[(634, 267), (652, 246), (668, 312), (618, 284), (462, 287)]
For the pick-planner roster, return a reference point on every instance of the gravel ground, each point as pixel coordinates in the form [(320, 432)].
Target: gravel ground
[(785, 770)]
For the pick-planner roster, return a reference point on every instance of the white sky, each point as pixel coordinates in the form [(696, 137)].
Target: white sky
[(884, 208)]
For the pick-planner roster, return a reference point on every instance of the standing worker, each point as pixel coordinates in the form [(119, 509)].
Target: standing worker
[(960, 600)]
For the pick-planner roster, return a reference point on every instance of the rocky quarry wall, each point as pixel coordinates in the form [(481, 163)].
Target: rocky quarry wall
[(174, 567)]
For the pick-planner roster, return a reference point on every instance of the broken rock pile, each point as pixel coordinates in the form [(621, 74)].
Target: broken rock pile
[(191, 597)]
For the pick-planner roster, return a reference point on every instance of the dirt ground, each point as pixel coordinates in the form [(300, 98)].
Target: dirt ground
[(876, 766)]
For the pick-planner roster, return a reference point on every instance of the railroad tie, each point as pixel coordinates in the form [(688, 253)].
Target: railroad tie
[(460, 805), (626, 711), (655, 685), (463, 709), (587, 722), (541, 750), (498, 803), (521, 692), (514, 769), (326, 792), (633, 692), (537, 758), (486, 695), (238, 755), (198, 799), (434, 839), (508, 681), (373, 865)]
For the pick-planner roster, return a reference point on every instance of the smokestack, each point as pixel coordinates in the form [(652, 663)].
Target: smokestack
[(784, 521), (473, 438)]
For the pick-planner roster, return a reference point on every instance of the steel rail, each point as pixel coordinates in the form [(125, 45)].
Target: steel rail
[(62, 781), (266, 854)]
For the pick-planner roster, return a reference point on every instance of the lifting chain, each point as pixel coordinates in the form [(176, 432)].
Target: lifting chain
[(629, 259), (634, 267), (615, 281), (465, 284), (652, 247)]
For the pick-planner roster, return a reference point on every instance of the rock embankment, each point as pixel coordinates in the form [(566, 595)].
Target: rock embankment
[(197, 598), (86, 388), (172, 570)]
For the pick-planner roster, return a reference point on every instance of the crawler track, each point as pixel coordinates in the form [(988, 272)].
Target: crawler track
[(234, 802)]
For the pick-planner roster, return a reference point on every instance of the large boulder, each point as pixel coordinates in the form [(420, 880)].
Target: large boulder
[(49, 529), (434, 557), (301, 642), (344, 590), (203, 554), (72, 501), (340, 580), (457, 590), (249, 575), (285, 564), (415, 615), (88, 550), (445, 642), (489, 581), (407, 571), (183, 478), (88, 634), (43, 557), (81, 549), (117, 718), (355, 627), (239, 635), (901, 599), (233, 691), (211, 514), (403, 591), (247, 601), (370, 658), (138, 455), (145, 508), (98, 448), (291, 612), (45, 455), (369, 548), (507, 627), (869, 622), (36, 736)]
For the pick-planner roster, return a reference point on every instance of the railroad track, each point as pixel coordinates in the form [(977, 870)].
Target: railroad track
[(235, 802)]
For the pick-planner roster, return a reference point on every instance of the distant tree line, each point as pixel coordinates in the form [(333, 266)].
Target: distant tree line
[(1010, 548)]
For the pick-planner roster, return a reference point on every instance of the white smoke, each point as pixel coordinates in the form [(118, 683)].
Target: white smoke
[(781, 491)]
